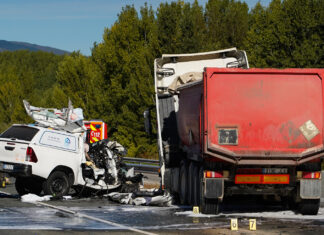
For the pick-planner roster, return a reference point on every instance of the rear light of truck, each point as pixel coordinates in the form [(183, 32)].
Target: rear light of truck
[(311, 175), (213, 174), (30, 155), (216, 174)]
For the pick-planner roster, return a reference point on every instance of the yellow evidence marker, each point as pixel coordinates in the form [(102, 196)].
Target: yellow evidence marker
[(252, 223), (234, 225), (195, 210)]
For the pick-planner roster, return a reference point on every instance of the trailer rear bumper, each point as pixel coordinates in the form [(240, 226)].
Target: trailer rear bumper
[(282, 190)]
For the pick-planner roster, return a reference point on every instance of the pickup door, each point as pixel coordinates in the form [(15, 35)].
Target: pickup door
[(13, 145)]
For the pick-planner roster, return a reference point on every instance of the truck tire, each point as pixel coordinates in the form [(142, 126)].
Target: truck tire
[(57, 184), (183, 187), (207, 206), (196, 185), (309, 206), (26, 185), (191, 183)]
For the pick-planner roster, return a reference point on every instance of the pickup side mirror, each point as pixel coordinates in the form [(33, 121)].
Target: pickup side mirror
[(147, 121)]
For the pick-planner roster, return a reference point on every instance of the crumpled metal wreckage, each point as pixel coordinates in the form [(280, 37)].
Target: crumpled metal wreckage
[(68, 119), (107, 167)]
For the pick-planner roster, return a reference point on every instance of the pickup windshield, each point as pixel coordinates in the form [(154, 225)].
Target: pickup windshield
[(20, 132)]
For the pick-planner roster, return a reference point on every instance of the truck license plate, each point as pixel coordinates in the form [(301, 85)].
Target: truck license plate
[(8, 167)]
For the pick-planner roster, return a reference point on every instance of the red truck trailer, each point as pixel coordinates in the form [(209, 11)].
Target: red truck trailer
[(235, 131)]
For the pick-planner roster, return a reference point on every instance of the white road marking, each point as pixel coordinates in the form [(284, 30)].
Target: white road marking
[(95, 219)]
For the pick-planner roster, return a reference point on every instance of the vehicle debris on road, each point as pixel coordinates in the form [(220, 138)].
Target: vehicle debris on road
[(151, 197)]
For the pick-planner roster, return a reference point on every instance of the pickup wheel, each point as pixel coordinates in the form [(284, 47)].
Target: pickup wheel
[(207, 206), (27, 185), (183, 190), (309, 206), (57, 184)]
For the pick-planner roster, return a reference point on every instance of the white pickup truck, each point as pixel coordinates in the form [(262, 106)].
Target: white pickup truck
[(49, 160)]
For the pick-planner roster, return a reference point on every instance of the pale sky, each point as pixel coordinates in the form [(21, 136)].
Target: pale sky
[(66, 24)]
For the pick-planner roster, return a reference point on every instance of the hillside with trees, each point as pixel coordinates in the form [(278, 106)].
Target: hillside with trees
[(115, 83), (16, 46)]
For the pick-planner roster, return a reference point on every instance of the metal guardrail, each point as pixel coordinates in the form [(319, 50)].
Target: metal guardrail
[(143, 165)]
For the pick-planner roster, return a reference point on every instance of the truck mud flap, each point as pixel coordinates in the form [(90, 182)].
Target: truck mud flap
[(175, 180), (167, 179), (310, 189), (214, 188)]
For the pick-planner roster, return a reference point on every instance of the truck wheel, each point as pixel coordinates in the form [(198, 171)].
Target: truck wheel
[(57, 184), (196, 185), (289, 203), (183, 190), (309, 206), (25, 185), (207, 206), (190, 183)]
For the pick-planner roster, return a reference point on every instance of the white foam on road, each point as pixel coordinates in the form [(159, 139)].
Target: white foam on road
[(281, 215), (67, 197), (32, 198), (266, 214), (191, 214)]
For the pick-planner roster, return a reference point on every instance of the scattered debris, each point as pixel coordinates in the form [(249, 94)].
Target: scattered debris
[(153, 197)]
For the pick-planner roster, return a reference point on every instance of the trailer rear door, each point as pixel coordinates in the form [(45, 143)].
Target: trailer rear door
[(263, 113)]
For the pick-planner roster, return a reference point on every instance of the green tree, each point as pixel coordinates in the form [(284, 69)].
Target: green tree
[(168, 21), (227, 23), (193, 28), (24, 75), (286, 34), (80, 80), (125, 58)]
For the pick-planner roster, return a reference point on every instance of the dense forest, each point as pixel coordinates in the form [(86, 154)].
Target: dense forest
[(115, 83)]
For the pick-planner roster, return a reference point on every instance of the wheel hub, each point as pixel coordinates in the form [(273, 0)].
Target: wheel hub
[(57, 185)]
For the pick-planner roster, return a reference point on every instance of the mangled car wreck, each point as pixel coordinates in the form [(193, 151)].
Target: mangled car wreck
[(50, 155)]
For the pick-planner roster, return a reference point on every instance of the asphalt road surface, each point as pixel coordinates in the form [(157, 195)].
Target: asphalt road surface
[(99, 216)]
